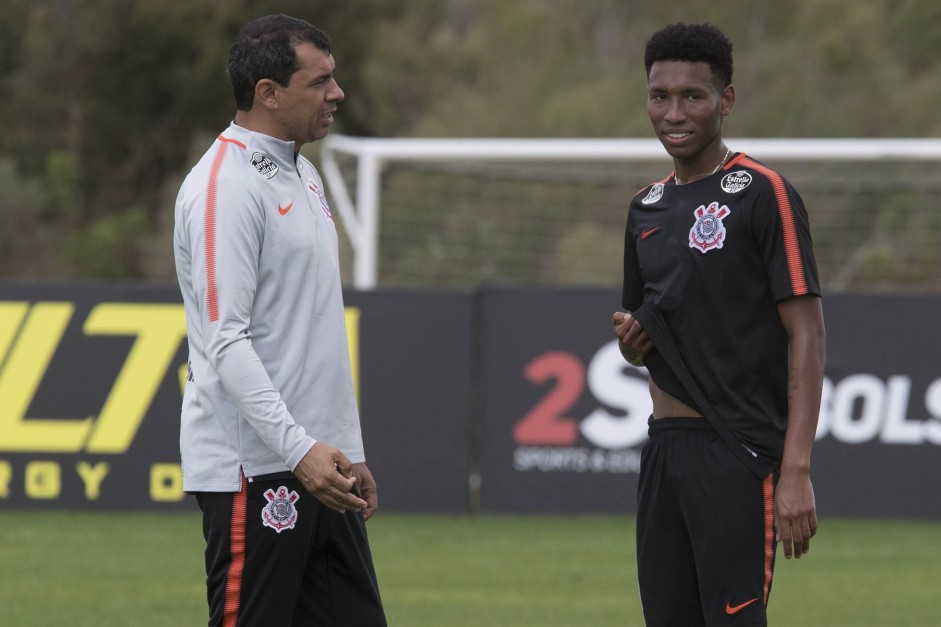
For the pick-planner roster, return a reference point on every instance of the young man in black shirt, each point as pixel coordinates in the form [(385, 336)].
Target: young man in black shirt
[(723, 306)]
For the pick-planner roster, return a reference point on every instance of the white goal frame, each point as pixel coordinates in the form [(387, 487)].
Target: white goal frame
[(360, 217)]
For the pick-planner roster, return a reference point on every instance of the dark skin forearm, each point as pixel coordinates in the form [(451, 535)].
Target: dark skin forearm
[(794, 506)]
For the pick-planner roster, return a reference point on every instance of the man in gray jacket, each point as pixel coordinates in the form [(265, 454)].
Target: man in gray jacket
[(270, 435)]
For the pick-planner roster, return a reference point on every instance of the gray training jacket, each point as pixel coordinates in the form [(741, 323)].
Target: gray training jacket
[(256, 257)]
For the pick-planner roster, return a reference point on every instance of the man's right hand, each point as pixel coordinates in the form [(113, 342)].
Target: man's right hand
[(327, 474), (632, 339)]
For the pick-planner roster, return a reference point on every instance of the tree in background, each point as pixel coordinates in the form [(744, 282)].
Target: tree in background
[(105, 104)]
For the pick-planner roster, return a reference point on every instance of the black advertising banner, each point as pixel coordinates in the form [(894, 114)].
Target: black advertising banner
[(564, 415), (91, 382), (878, 450), (414, 393), (506, 399)]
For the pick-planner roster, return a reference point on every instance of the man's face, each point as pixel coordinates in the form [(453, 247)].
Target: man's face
[(686, 104), (308, 102)]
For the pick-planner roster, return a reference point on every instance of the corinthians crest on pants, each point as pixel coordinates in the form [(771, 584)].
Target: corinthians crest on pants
[(280, 513), (708, 232)]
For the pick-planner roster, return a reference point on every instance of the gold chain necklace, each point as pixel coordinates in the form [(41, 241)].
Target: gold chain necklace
[(728, 151)]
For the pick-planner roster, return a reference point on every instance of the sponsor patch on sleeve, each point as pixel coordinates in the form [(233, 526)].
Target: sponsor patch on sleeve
[(735, 181), (265, 166)]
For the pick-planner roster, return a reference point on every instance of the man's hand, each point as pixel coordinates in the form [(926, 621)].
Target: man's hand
[(367, 489), (632, 339), (795, 513), (327, 474)]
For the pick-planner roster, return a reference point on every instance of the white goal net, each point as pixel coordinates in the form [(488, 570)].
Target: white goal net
[(458, 213)]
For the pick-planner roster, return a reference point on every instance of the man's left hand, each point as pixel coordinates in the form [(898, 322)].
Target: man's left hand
[(795, 513), (367, 489)]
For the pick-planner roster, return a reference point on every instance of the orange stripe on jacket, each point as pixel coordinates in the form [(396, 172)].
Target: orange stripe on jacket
[(209, 226)]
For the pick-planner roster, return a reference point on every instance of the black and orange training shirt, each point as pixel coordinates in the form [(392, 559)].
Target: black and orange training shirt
[(716, 256)]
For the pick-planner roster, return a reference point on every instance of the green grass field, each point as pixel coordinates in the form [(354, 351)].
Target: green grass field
[(130, 570)]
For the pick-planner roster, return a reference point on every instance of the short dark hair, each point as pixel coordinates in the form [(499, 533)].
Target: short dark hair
[(692, 42), (264, 48)]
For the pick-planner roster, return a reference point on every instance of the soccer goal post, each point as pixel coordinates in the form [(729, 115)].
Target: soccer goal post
[(354, 168)]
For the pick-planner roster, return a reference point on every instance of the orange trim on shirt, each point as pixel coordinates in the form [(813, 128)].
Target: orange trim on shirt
[(648, 186), (209, 228), (735, 160), (786, 212), (223, 138)]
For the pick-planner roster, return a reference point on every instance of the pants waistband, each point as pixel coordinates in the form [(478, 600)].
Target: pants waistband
[(662, 426)]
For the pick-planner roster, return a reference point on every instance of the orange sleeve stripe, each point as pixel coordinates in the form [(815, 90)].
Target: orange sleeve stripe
[(209, 234), (233, 583), (768, 489), (209, 227), (791, 244)]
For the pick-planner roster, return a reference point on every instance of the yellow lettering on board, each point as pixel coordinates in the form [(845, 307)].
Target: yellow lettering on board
[(43, 480), (166, 483), (11, 317), (352, 338), (158, 328), (92, 475), (183, 372), (6, 476), (23, 369)]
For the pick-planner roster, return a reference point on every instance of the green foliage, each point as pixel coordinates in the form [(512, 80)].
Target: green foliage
[(64, 174), (23, 204), (108, 248), (100, 100)]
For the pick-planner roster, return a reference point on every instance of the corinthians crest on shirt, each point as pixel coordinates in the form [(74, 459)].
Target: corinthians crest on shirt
[(708, 231), (280, 513), (321, 196)]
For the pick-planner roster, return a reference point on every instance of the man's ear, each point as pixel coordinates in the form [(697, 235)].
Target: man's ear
[(266, 93), (728, 99)]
